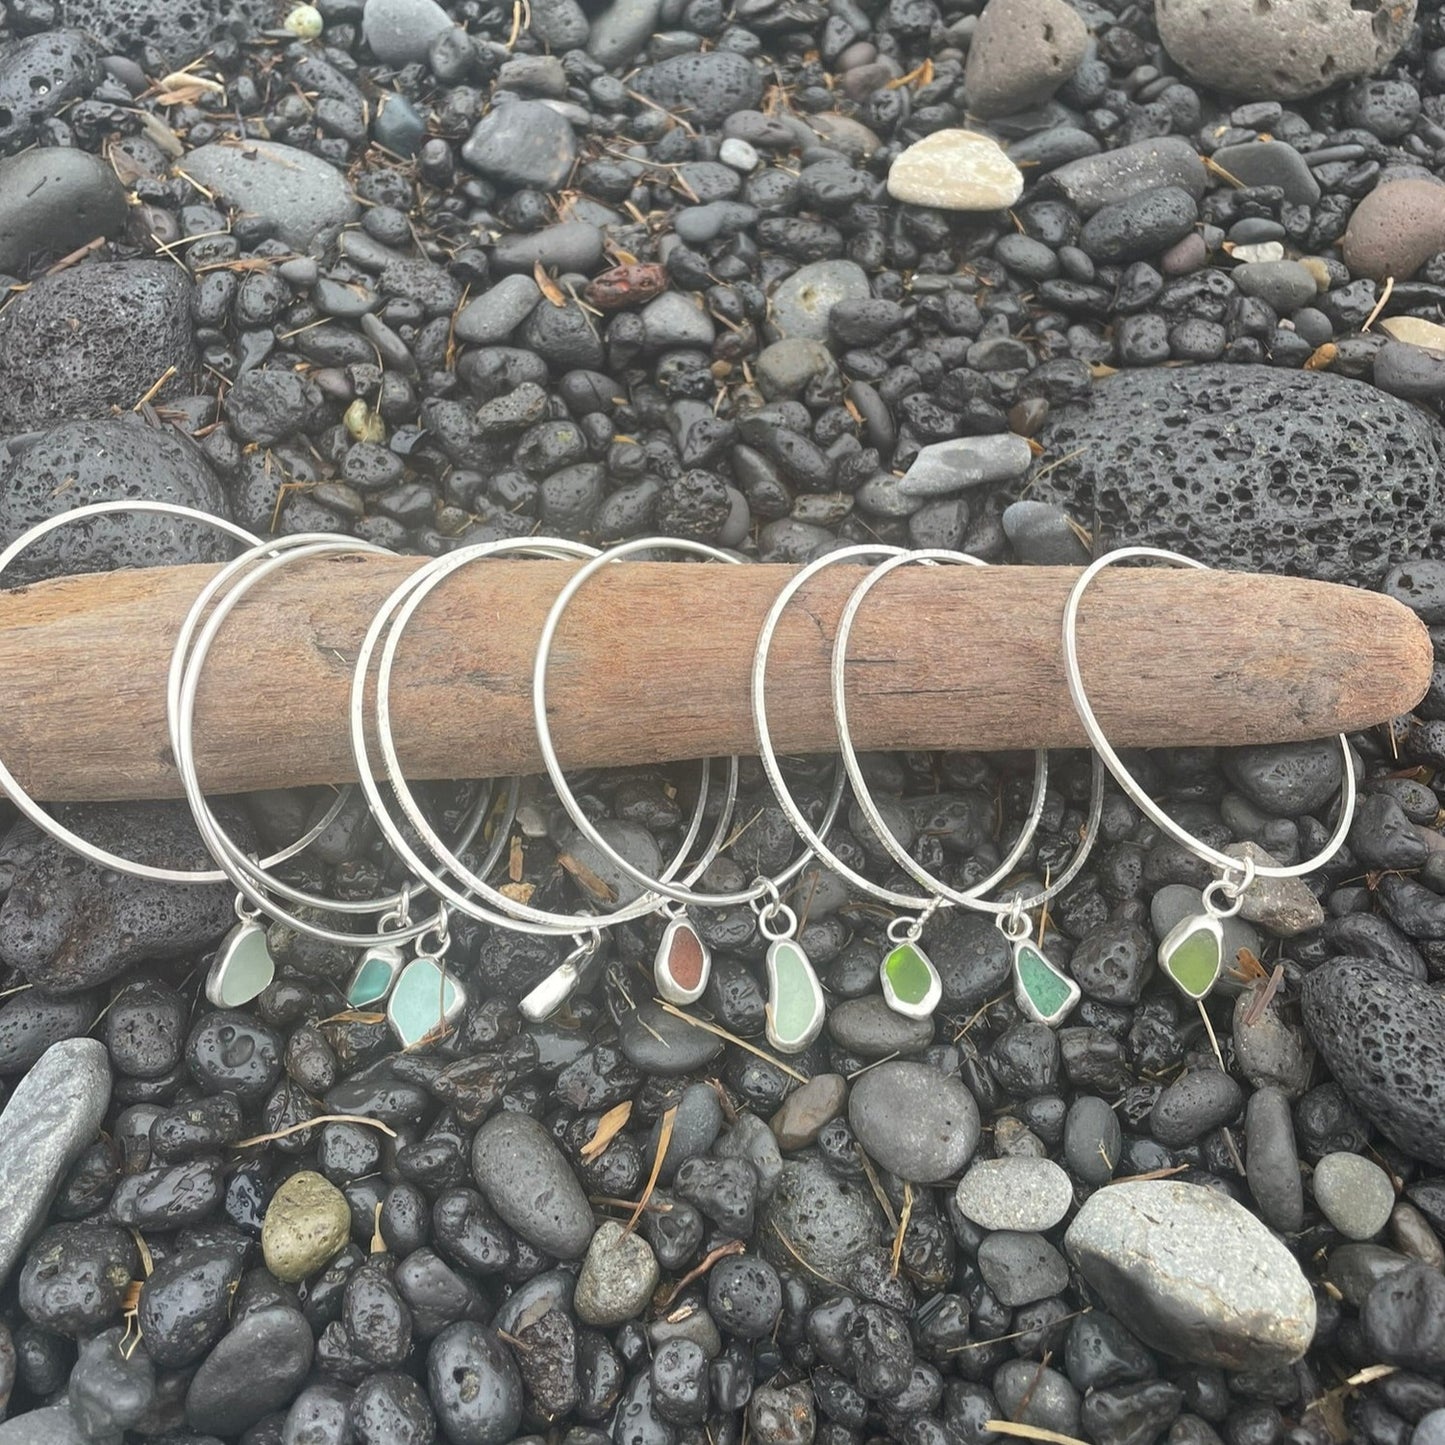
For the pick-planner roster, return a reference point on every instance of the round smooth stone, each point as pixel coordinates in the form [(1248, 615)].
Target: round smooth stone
[(956, 170), (1354, 1194), (914, 1121), (1015, 1193)]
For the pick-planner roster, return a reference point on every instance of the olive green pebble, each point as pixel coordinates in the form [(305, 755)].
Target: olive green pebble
[(306, 1224)]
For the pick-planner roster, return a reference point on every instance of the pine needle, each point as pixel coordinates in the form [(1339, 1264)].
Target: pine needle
[(792, 1249), (609, 1126), (159, 382), (352, 1016), (664, 1138), (903, 1218), (1209, 1029), (1168, 1173), (733, 1246), (1031, 1432), (312, 1123), (722, 1033), (378, 1243), (878, 1194), (1380, 304)]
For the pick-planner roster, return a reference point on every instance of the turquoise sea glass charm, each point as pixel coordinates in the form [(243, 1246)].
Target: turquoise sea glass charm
[(795, 1010), (911, 985), (682, 963), (374, 975), (243, 967), (423, 1001), (1040, 990), (1192, 954)]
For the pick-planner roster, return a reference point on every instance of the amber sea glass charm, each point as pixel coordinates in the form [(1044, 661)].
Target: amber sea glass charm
[(683, 962)]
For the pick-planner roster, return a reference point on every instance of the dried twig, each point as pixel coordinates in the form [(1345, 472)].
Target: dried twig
[(733, 1246), (312, 1123)]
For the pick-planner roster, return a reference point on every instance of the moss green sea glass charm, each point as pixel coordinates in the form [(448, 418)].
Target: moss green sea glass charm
[(1192, 954), (243, 966), (911, 985), (1040, 990), (424, 999), (795, 1011), (682, 963), (374, 975)]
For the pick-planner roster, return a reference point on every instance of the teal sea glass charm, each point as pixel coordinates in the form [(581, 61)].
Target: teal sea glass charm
[(1041, 991), (1192, 954), (683, 962), (243, 967), (374, 975), (911, 985), (424, 999), (795, 1010)]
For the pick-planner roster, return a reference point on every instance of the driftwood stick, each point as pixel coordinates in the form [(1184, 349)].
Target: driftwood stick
[(651, 663)]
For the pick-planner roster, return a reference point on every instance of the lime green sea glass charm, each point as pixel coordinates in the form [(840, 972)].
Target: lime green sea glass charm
[(374, 975), (1040, 990), (1192, 954), (795, 998), (911, 984), (423, 1000), (243, 967)]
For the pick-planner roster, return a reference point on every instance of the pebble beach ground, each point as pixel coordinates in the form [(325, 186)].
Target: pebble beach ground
[(1023, 278)]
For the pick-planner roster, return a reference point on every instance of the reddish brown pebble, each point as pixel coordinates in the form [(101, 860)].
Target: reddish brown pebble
[(1396, 229), (625, 286)]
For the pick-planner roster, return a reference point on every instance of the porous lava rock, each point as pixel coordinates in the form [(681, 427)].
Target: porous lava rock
[(1251, 468)]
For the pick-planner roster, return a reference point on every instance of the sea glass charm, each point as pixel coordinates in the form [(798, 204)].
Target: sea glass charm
[(911, 985), (424, 999), (683, 962), (1041, 991), (243, 967), (795, 1010), (1192, 954), (374, 975)]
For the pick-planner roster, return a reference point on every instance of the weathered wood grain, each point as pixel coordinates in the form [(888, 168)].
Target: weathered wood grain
[(652, 661)]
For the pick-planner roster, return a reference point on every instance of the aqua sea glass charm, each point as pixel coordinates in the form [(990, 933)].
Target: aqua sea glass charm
[(424, 1000), (911, 985), (794, 1010), (374, 975), (243, 967), (683, 962), (1041, 991), (1192, 954)]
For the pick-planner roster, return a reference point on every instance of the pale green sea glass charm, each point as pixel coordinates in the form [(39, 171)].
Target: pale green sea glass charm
[(683, 962), (374, 975), (424, 999), (1192, 954), (794, 1011), (911, 985), (243, 967), (1041, 991)]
